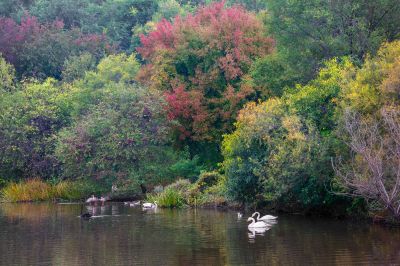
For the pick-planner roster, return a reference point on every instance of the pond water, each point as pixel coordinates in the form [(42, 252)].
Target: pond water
[(52, 234)]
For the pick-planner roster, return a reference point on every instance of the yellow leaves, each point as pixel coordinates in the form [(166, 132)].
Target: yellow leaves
[(118, 68), (390, 86), (293, 126), (376, 82)]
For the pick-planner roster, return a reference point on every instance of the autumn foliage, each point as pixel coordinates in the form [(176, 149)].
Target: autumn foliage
[(39, 50), (199, 62)]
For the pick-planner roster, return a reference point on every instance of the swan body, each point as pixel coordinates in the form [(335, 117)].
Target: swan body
[(265, 217), (92, 199), (102, 200), (135, 203), (149, 205), (257, 231), (255, 224)]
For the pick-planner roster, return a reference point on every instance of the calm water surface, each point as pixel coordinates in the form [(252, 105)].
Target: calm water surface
[(52, 234)]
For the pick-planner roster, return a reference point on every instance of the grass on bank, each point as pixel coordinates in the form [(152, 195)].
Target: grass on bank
[(208, 190), (39, 190)]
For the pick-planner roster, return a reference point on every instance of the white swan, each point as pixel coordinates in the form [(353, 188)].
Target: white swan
[(149, 205), (103, 199), (255, 224), (134, 204), (257, 231), (265, 218), (92, 199)]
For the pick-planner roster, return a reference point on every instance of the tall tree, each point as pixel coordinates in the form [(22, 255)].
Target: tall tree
[(199, 62)]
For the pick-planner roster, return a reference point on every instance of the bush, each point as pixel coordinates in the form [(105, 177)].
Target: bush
[(169, 198), (181, 185), (207, 180), (186, 167)]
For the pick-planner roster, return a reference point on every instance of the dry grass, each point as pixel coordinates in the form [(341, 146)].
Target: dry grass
[(30, 190), (38, 190)]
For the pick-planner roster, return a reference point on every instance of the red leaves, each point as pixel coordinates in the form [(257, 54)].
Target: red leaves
[(161, 38), (207, 53), (22, 43)]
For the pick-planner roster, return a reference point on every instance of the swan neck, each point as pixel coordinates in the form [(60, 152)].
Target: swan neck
[(256, 213)]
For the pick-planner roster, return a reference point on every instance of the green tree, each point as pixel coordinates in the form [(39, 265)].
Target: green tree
[(75, 67), (7, 76), (281, 148), (122, 138), (310, 32), (29, 120)]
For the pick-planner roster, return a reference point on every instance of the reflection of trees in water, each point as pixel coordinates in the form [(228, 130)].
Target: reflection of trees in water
[(33, 212), (304, 241), (51, 234)]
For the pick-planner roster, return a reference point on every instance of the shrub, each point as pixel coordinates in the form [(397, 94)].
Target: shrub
[(187, 167), (207, 180), (169, 198), (181, 185)]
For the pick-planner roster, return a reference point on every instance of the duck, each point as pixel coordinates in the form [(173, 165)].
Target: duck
[(85, 215), (255, 224), (264, 218), (149, 205)]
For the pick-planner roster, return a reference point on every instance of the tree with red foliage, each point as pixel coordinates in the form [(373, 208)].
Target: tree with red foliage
[(39, 50), (200, 62)]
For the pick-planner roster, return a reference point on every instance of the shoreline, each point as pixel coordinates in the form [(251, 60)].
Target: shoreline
[(234, 207)]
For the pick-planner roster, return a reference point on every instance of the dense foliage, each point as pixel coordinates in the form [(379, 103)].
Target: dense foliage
[(292, 105), (370, 123), (199, 62), (311, 31), (281, 148), (39, 50)]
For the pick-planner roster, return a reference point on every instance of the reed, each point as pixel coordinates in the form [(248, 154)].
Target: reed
[(38, 190), (169, 198), (29, 190)]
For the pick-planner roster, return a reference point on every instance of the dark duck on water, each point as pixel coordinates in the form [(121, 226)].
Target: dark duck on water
[(85, 215)]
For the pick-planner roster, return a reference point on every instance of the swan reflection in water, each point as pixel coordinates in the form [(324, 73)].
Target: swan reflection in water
[(253, 232), (259, 231)]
